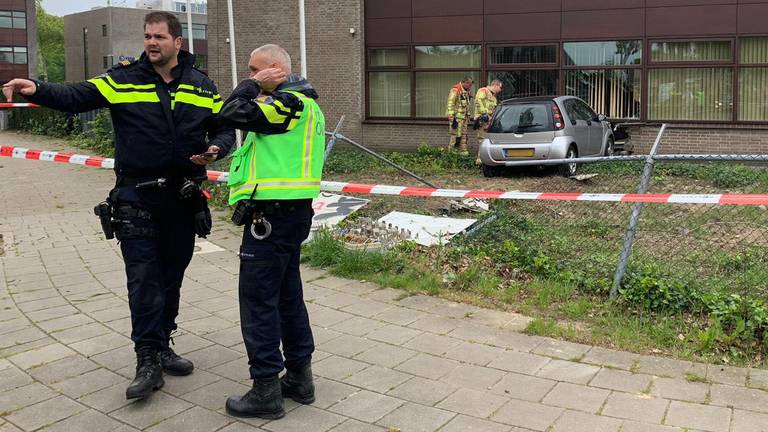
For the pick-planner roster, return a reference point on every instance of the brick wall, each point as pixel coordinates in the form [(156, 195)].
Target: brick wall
[(682, 138)]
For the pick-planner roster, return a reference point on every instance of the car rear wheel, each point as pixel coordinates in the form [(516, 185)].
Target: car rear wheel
[(569, 170)]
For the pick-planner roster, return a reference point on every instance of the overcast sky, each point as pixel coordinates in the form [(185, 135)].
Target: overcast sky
[(66, 7)]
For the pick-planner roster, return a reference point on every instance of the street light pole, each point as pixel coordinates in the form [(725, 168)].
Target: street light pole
[(303, 39), (233, 59), (190, 38)]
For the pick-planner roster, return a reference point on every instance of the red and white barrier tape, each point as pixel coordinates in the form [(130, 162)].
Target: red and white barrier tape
[(18, 105), (343, 187)]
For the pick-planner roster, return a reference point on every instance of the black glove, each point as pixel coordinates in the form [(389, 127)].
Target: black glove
[(485, 118), (455, 124), (203, 222), (476, 124)]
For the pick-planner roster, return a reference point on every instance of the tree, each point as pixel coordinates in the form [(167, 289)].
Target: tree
[(50, 40)]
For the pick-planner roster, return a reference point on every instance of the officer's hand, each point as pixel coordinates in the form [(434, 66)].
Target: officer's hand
[(450, 120), (207, 157), (270, 78), (23, 86)]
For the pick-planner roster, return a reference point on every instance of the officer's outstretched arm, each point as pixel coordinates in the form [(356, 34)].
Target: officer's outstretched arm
[(74, 98), (269, 114), (218, 134)]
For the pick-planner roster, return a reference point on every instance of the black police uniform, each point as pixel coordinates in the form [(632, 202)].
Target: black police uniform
[(272, 308), (158, 126)]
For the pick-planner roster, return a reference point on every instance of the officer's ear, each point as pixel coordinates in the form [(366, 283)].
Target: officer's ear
[(177, 42)]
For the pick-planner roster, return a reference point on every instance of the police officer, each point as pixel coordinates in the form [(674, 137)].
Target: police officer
[(485, 103), (273, 178), (163, 110), (458, 114)]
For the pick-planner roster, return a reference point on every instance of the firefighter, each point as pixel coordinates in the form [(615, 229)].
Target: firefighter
[(457, 111), (485, 103)]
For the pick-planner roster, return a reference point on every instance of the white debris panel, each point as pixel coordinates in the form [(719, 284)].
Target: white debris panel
[(427, 230)]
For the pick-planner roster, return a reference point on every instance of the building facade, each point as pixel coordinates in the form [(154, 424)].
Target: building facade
[(18, 39), (95, 40), (699, 65)]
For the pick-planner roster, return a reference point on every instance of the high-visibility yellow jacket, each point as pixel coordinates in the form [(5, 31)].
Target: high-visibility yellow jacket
[(458, 102), (282, 157), (485, 102)]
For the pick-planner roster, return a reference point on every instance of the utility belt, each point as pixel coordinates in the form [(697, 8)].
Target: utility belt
[(255, 212), (187, 187), (117, 219)]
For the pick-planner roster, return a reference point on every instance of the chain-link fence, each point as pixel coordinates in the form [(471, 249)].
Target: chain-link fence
[(705, 247)]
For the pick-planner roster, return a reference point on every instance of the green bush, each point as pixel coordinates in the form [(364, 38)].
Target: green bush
[(98, 136), (44, 121), (651, 290)]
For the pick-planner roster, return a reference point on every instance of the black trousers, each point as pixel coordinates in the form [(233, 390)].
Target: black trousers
[(157, 242), (272, 308)]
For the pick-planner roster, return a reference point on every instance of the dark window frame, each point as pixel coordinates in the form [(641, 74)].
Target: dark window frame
[(645, 67), (704, 64), (412, 70), (506, 66)]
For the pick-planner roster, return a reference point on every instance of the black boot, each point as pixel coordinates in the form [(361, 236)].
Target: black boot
[(149, 374), (263, 400), (298, 385), (173, 364)]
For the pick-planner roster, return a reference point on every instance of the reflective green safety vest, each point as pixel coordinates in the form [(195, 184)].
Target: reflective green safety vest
[(284, 166)]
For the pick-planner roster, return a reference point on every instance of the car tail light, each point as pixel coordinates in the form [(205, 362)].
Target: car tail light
[(557, 117)]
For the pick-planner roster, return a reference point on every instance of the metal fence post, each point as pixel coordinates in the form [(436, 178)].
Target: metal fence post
[(629, 237), (334, 137)]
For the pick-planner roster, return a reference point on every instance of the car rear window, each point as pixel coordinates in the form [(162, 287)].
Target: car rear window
[(523, 118)]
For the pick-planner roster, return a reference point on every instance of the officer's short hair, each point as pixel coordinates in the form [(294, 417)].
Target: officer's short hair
[(467, 79), (174, 26), (497, 81), (275, 52)]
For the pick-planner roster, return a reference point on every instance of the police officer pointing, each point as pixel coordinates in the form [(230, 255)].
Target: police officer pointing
[(166, 131), (273, 178)]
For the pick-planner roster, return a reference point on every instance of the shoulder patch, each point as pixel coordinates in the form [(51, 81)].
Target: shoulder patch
[(121, 64)]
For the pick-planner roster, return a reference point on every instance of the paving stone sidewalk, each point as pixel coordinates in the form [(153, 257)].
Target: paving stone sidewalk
[(384, 362)]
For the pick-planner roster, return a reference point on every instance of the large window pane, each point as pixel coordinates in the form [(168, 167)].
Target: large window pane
[(690, 94), (448, 56), (525, 83), (20, 55), (387, 57), (389, 94), (19, 20), (691, 51), (432, 90), (523, 55), (5, 19), (615, 93), (753, 51), (753, 94), (6, 55), (199, 31), (602, 53)]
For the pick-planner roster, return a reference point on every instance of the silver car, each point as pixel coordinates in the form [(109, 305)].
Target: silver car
[(543, 128)]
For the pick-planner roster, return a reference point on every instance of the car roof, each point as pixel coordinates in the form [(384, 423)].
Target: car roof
[(535, 99)]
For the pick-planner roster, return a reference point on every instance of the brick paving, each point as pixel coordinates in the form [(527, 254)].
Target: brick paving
[(384, 362)]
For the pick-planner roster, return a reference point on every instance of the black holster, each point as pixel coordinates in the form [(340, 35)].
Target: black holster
[(104, 211)]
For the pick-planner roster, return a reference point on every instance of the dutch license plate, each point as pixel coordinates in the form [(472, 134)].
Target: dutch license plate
[(518, 152)]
